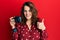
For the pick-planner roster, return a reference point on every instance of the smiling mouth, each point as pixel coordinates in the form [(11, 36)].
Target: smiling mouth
[(27, 15)]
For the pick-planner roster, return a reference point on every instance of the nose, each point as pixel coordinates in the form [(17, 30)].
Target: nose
[(27, 12)]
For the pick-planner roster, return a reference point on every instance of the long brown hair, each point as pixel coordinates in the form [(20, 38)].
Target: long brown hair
[(34, 16), (33, 10)]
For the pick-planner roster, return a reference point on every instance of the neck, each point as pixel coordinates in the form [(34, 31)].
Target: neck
[(28, 22)]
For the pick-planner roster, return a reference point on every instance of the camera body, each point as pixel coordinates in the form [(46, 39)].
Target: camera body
[(17, 19)]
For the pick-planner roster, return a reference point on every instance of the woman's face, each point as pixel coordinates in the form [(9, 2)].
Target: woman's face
[(27, 12)]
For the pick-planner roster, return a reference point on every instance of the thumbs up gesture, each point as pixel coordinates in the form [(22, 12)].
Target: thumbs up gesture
[(41, 25)]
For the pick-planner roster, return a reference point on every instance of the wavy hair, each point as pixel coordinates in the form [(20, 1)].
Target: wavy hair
[(34, 18), (33, 10)]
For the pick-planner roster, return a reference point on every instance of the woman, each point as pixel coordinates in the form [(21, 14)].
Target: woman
[(30, 27)]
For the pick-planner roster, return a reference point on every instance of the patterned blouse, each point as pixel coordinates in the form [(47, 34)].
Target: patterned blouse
[(22, 32)]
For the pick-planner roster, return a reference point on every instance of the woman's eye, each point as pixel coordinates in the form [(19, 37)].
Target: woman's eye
[(27, 11)]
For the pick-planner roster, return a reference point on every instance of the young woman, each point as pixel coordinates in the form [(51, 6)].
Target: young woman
[(30, 27)]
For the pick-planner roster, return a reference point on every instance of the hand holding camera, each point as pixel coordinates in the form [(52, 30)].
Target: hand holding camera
[(14, 20)]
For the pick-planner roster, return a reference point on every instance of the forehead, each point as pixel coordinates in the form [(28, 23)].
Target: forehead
[(26, 8)]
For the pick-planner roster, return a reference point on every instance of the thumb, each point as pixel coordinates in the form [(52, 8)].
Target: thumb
[(43, 20)]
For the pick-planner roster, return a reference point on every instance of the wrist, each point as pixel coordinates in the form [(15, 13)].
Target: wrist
[(14, 30), (13, 27)]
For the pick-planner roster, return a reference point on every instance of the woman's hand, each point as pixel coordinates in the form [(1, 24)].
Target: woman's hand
[(12, 22), (41, 25)]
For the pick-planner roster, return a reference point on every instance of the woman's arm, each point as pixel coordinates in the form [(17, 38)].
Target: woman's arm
[(14, 29), (14, 34), (43, 35), (42, 29)]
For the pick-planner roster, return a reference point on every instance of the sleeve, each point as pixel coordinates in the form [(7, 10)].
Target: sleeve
[(44, 35), (15, 32)]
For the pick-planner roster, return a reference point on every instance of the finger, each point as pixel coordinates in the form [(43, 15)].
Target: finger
[(12, 20), (38, 23), (12, 17), (43, 20)]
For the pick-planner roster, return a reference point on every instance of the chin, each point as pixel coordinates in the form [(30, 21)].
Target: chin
[(28, 18)]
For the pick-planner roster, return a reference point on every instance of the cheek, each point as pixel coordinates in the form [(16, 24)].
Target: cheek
[(30, 14), (24, 13)]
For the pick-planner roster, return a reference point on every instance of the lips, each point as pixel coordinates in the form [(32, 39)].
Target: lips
[(27, 15)]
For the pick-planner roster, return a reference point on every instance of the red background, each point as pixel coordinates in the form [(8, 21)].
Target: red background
[(47, 9)]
